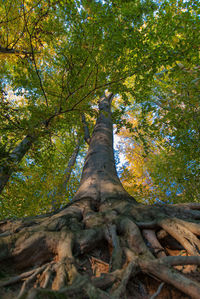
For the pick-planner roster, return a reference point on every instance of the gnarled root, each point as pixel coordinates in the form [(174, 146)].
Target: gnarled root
[(58, 250)]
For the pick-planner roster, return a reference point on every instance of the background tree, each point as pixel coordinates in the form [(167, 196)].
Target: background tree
[(162, 138), (167, 114), (165, 147)]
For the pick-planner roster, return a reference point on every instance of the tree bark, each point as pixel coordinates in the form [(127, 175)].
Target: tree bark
[(99, 179), (14, 158)]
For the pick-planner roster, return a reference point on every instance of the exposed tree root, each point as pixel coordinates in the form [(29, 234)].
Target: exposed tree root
[(157, 248), (55, 251), (28, 281), (129, 271), (116, 251), (20, 277)]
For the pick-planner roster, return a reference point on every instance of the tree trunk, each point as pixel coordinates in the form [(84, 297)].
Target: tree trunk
[(14, 158), (69, 168), (103, 244), (61, 191), (99, 180)]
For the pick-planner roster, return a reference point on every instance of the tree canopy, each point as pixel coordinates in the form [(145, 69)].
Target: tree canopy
[(58, 58)]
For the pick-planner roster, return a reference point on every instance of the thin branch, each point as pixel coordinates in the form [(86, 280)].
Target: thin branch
[(158, 291), (12, 51), (46, 122), (96, 79), (86, 129), (84, 63), (33, 56), (73, 92), (20, 16)]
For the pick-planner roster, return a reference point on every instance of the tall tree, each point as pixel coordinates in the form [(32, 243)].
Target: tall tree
[(59, 66), (163, 138), (121, 237)]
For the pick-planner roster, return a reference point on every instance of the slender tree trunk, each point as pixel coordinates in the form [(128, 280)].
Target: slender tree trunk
[(14, 158), (70, 166), (103, 244), (61, 191)]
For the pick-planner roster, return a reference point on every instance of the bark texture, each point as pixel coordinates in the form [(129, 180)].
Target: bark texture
[(102, 244), (99, 179)]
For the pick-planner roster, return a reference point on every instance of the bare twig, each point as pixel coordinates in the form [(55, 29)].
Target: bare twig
[(158, 291)]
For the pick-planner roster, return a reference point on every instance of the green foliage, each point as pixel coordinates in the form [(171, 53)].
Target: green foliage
[(168, 107), (176, 104), (58, 57)]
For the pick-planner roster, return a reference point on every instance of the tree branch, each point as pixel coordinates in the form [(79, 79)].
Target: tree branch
[(86, 129)]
